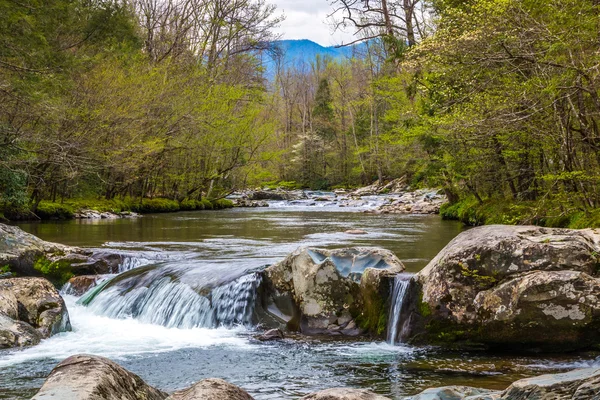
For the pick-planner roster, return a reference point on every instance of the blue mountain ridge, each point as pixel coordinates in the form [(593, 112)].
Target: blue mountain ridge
[(301, 53)]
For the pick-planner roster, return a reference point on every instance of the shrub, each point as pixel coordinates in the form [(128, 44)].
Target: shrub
[(188, 205)]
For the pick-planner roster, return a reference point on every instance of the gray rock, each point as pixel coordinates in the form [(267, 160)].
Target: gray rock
[(344, 394), (22, 252), (38, 304), (456, 393), (580, 384), (324, 286), (511, 286), (14, 333), (86, 377), (212, 389)]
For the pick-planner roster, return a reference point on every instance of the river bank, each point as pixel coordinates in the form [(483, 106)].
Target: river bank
[(108, 209), (551, 214)]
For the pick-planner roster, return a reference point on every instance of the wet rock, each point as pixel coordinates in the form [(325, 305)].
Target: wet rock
[(249, 203), (86, 377), (93, 214), (324, 289), (344, 394), (376, 287), (456, 393), (505, 286), (271, 334), (279, 195), (212, 389), (356, 232), (78, 285), (29, 255), (39, 304), (14, 333), (580, 384)]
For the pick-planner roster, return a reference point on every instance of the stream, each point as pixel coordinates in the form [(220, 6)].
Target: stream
[(154, 334)]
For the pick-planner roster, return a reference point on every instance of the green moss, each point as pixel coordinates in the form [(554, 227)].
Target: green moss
[(58, 272), (49, 210), (221, 204), (423, 307), (549, 213), (206, 204), (482, 281)]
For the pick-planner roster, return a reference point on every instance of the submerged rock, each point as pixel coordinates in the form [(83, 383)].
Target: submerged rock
[(356, 232), (31, 309), (511, 286), (579, 384), (212, 389), (325, 289), (271, 334), (456, 393), (344, 394), (87, 377)]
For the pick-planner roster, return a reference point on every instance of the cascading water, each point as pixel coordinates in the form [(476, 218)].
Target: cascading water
[(399, 292), (159, 296)]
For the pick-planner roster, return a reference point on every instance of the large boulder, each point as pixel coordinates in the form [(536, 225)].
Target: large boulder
[(31, 309), (29, 255), (510, 286), (344, 394), (212, 389), (78, 285), (329, 289), (86, 377)]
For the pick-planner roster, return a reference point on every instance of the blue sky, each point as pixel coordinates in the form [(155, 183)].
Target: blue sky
[(306, 19)]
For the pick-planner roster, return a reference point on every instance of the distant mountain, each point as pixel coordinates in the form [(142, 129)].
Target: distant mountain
[(298, 53)]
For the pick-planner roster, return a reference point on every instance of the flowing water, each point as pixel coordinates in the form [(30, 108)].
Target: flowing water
[(401, 283), (151, 320)]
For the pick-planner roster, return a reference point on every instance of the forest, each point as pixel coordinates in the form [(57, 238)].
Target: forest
[(125, 102)]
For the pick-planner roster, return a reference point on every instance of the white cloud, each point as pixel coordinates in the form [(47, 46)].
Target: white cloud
[(308, 20)]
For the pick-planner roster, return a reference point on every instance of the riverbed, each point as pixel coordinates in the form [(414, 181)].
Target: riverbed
[(232, 242)]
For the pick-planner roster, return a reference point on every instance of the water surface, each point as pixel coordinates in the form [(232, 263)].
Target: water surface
[(218, 243)]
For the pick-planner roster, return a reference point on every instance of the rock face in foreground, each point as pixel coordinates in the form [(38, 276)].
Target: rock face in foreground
[(29, 255), (510, 286), (580, 384), (342, 291), (84, 377), (344, 394), (211, 389), (31, 309)]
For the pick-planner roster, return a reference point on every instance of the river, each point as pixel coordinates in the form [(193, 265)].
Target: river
[(229, 243)]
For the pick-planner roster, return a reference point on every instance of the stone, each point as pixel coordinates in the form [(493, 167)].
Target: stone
[(29, 255), (356, 232), (271, 334), (520, 287), (580, 384), (212, 389), (39, 304), (14, 333), (456, 393), (78, 285), (87, 377), (344, 394), (324, 287)]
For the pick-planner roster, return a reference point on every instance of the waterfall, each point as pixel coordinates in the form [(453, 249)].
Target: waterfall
[(400, 289), (159, 296)]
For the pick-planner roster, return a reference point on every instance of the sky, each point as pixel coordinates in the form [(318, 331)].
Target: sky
[(307, 19)]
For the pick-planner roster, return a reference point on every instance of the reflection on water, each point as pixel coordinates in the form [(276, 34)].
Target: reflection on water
[(200, 246)]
